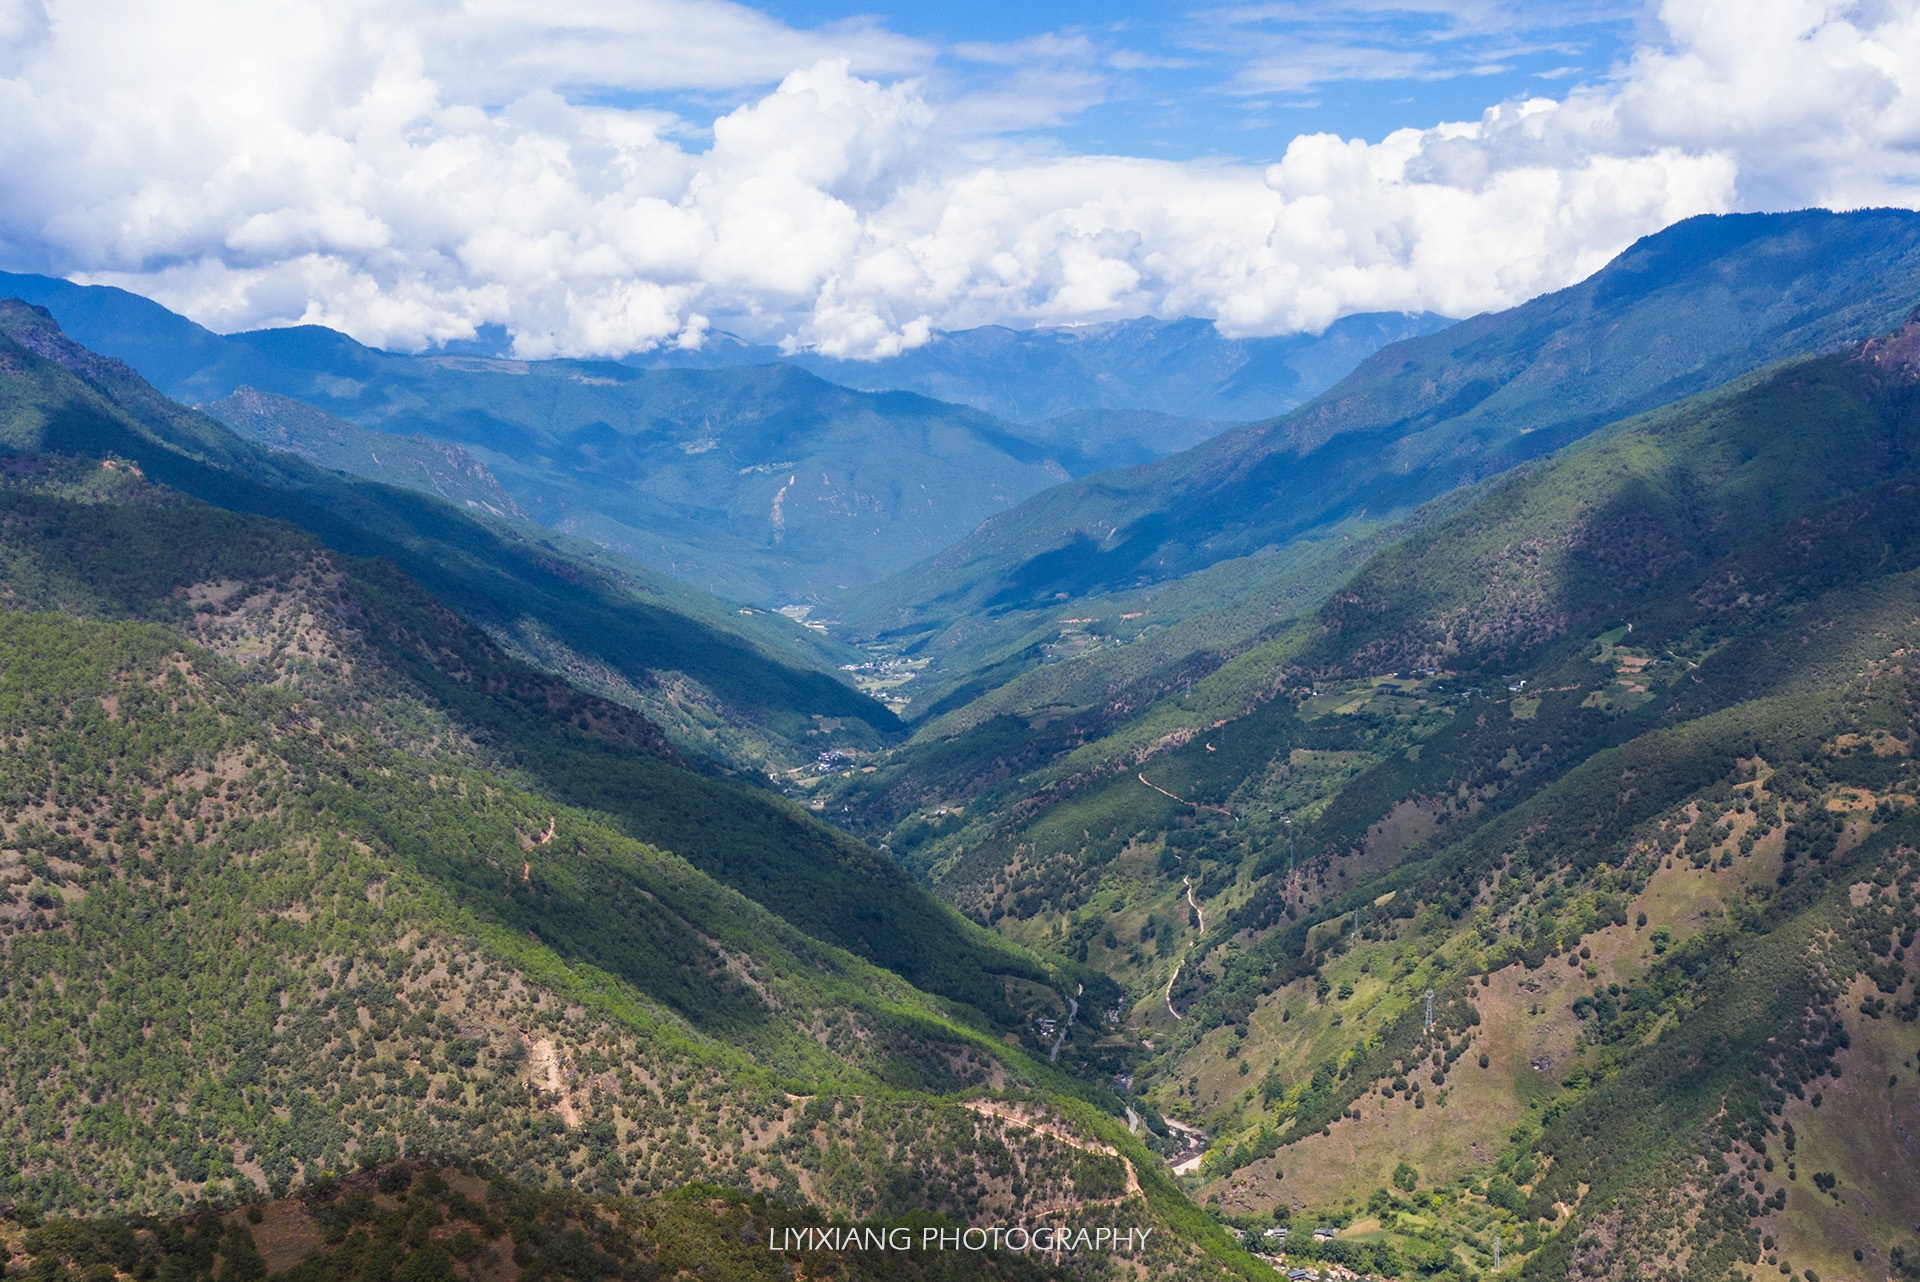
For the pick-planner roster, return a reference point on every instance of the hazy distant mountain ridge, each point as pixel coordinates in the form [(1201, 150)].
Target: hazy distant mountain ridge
[(764, 483), (730, 467), (1679, 311), (1102, 440), (1184, 367), (675, 468)]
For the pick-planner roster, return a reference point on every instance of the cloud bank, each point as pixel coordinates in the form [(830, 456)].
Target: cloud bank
[(410, 170)]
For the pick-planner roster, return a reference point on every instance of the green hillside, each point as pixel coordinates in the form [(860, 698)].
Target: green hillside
[(140, 556), (130, 914), (416, 1221), (720, 689), (282, 423), (1681, 311), (297, 873), (1617, 761)]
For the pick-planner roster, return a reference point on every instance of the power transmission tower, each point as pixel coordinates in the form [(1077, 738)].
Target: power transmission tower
[(1428, 1027)]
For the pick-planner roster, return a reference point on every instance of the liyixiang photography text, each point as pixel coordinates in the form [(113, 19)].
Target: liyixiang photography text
[(836, 1237)]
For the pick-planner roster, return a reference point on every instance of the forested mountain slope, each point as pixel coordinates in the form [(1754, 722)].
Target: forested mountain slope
[(298, 869), (1680, 311), (417, 1220), (718, 687), (201, 809), (1618, 762), (136, 555), (282, 423)]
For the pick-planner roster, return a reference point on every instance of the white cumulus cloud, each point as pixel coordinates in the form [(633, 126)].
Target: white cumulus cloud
[(410, 170)]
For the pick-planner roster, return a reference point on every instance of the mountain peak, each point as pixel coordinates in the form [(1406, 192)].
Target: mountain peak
[(34, 328)]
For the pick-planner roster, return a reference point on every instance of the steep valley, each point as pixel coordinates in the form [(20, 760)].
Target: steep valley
[(1612, 761), (304, 872), (1520, 883)]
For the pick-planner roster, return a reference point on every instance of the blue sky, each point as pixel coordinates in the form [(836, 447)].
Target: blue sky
[(1239, 81)]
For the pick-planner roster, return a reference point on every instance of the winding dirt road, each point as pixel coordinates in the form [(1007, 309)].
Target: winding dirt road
[(1018, 1117)]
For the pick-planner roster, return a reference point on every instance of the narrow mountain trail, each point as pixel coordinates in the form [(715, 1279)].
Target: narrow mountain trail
[(1218, 810), (1201, 916), (1199, 913)]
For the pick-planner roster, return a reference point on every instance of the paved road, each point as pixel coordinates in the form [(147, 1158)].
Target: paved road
[(1073, 1008)]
